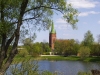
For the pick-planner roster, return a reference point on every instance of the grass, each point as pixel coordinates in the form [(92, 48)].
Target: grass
[(57, 58), (92, 59)]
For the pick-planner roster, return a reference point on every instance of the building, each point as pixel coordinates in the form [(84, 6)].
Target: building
[(52, 37)]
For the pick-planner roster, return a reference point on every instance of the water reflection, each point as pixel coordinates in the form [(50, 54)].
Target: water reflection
[(68, 67)]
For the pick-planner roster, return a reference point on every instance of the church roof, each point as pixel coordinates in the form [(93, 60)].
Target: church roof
[(52, 29)]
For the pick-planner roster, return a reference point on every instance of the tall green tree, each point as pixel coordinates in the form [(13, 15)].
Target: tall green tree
[(16, 15), (88, 39), (95, 50), (98, 39), (66, 47)]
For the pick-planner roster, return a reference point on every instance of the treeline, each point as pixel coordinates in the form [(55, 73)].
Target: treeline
[(88, 47), (71, 47), (33, 49), (64, 47)]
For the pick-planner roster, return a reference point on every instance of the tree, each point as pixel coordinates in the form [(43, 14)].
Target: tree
[(71, 48), (95, 50), (23, 53), (28, 44), (27, 41), (88, 39), (84, 52), (17, 15), (45, 47), (66, 47), (98, 39)]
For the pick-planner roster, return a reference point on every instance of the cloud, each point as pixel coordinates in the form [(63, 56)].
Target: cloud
[(62, 27), (85, 23), (99, 22), (88, 13), (83, 3), (65, 34), (61, 24), (60, 20)]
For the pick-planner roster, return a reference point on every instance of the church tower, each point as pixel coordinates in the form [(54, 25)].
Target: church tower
[(52, 37)]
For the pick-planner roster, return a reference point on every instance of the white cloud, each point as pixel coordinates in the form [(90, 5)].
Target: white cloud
[(87, 13), (60, 21), (85, 23), (65, 34), (83, 3), (99, 22), (62, 27), (61, 24)]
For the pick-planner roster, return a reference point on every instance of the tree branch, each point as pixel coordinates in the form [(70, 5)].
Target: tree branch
[(42, 7), (9, 41)]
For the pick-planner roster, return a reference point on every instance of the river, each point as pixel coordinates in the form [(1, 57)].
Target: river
[(67, 67)]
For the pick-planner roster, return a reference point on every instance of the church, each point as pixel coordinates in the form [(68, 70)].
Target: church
[(52, 37)]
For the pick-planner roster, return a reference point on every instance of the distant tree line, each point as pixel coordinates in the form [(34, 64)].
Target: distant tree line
[(34, 49), (88, 47), (64, 47)]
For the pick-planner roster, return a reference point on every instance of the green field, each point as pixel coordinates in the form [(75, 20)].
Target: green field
[(58, 58)]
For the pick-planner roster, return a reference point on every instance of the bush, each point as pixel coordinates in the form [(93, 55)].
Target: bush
[(23, 53), (84, 73), (46, 53), (84, 52), (34, 54)]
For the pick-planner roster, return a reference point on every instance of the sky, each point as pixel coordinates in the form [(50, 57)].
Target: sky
[(89, 19)]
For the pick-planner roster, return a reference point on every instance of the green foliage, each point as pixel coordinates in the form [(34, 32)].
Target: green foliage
[(88, 39), (98, 38), (45, 47), (35, 50), (95, 50), (27, 41), (23, 53), (66, 47), (50, 73), (47, 73), (84, 73), (70, 16), (21, 17), (46, 53), (84, 52)]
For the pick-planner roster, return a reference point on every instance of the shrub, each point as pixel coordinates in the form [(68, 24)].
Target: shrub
[(84, 52), (84, 73), (23, 53)]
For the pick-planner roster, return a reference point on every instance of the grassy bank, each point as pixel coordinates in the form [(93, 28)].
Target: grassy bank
[(58, 58), (71, 58)]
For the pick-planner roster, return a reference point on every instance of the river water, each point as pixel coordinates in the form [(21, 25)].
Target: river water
[(67, 67)]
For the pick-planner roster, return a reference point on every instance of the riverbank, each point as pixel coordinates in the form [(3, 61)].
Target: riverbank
[(57, 58)]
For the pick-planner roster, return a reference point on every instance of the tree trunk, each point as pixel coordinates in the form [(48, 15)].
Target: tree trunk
[(4, 64)]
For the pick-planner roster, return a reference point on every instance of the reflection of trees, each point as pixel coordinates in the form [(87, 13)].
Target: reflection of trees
[(69, 67), (88, 66)]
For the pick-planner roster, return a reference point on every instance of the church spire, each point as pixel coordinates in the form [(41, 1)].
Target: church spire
[(52, 28), (52, 37)]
